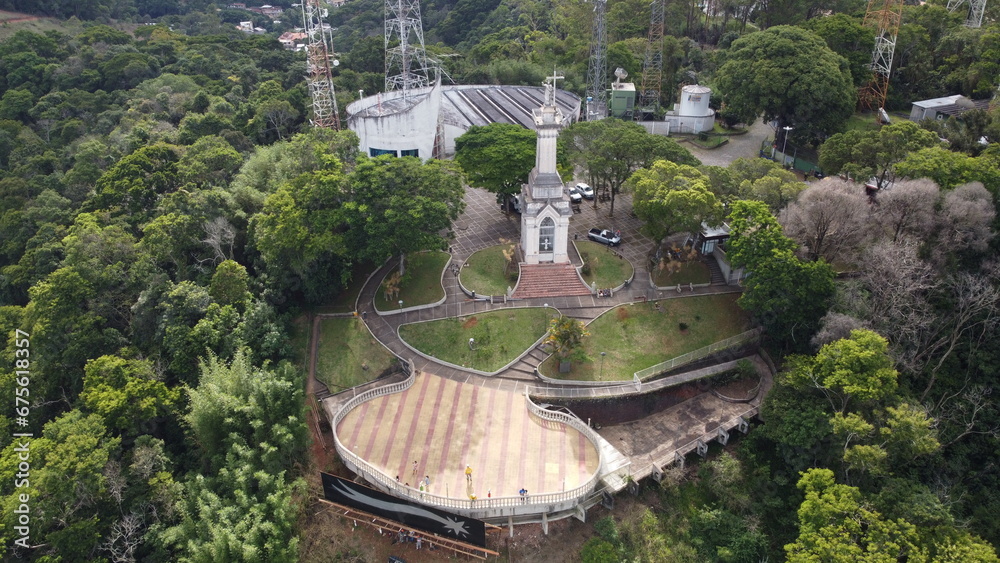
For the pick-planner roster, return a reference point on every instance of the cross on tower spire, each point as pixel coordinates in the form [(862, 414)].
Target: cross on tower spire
[(550, 88)]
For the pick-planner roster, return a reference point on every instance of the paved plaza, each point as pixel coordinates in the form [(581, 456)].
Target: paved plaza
[(445, 425)]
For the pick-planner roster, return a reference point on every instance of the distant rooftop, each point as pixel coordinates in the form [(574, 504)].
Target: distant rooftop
[(952, 105), (467, 105)]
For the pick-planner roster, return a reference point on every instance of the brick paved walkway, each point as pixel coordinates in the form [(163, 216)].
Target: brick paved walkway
[(445, 425)]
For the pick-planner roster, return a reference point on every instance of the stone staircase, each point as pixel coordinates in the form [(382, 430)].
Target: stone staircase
[(549, 280), (714, 270)]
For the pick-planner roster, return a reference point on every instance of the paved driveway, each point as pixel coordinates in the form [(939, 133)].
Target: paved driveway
[(739, 146)]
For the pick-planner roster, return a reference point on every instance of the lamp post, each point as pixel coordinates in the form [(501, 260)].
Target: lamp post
[(601, 378), (784, 145)]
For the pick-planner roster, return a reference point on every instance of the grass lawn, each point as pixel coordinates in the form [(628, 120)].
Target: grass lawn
[(711, 142), (500, 336), (41, 25), (421, 283), (719, 128), (864, 121), (346, 348), (639, 336), (602, 266), (299, 339), (483, 272), (344, 303), (690, 271)]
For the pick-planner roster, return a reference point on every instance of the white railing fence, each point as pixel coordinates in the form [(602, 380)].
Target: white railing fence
[(731, 342)]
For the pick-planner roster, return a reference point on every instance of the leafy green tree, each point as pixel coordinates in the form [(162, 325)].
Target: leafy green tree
[(66, 486), (611, 150), (855, 369), (566, 336), (249, 425), (874, 154), (64, 334), (210, 161), (756, 234), (134, 185), (300, 233), (400, 205), (497, 157), (950, 169), (229, 284), (837, 524), (191, 326), (672, 198), (849, 38), (790, 76), (786, 295), (764, 180), (126, 393)]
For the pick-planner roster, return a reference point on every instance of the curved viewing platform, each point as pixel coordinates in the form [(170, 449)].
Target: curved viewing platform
[(444, 425)]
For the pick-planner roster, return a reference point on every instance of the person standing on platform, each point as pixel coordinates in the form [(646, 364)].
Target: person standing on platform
[(468, 473)]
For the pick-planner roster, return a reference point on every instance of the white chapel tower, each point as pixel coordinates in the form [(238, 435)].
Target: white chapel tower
[(545, 205)]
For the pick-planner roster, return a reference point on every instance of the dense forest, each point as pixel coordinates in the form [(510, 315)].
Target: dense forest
[(166, 212)]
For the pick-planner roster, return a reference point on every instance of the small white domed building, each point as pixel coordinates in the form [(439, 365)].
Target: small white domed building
[(692, 114)]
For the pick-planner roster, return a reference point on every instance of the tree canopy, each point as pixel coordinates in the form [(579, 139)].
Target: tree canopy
[(789, 76), (672, 198)]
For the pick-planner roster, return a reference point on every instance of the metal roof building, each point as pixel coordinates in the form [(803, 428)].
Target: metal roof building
[(417, 122)]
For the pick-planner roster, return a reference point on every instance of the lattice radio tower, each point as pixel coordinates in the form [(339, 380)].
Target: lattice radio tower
[(884, 16), (406, 63), (976, 10), (319, 63), (652, 64), (597, 73)]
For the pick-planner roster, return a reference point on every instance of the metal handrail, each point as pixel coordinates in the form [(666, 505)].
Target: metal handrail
[(698, 354)]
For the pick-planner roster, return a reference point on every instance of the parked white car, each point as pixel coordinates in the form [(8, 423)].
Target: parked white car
[(575, 196), (585, 190)]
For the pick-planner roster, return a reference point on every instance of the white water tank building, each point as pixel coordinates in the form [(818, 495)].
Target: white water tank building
[(692, 114), (424, 122)]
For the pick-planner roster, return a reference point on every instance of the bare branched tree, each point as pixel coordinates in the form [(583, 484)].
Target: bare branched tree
[(829, 219), (220, 235), (973, 315), (114, 480), (967, 212), (125, 537), (835, 326), (966, 410), (908, 209)]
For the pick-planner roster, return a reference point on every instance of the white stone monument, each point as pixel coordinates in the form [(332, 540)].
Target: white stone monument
[(545, 207)]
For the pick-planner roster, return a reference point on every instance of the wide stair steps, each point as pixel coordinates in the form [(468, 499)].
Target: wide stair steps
[(549, 280), (714, 270)]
